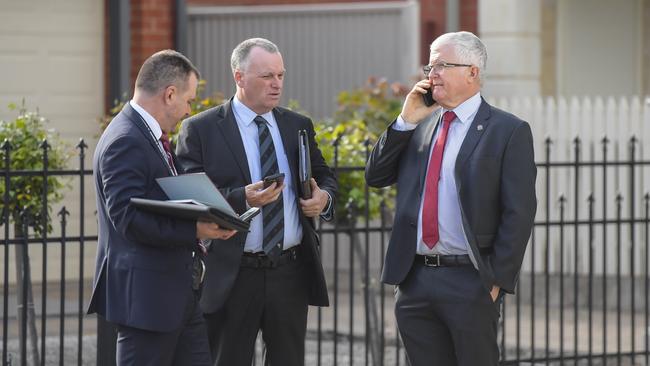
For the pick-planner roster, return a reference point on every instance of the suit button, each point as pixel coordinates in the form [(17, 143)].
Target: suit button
[(413, 224)]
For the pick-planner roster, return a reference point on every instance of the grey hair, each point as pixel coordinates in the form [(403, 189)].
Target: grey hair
[(165, 68), (239, 58), (468, 48)]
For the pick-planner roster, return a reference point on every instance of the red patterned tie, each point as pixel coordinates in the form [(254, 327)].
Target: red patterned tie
[(430, 233), (164, 138)]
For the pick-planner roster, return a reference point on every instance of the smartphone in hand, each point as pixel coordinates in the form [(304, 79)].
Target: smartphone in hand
[(428, 97), (277, 178)]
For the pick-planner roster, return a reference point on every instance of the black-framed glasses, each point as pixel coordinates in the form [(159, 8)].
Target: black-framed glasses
[(436, 68)]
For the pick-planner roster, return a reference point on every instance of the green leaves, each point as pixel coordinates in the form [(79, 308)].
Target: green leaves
[(362, 115), (25, 135)]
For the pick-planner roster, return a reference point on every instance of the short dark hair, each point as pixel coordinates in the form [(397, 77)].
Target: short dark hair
[(164, 68)]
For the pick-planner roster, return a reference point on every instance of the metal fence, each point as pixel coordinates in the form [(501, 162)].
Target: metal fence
[(583, 295)]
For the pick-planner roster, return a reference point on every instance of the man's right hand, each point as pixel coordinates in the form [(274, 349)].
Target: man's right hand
[(258, 196), (210, 230), (414, 110)]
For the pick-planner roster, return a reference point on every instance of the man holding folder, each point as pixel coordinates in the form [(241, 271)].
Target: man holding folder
[(263, 280), (144, 271)]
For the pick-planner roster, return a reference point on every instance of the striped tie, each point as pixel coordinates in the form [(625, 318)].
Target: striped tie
[(272, 213)]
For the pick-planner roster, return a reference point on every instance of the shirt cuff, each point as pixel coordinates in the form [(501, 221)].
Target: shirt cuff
[(401, 125), (328, 212)]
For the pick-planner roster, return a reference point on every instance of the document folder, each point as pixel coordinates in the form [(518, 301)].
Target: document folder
[(304, 165), (194, 197)]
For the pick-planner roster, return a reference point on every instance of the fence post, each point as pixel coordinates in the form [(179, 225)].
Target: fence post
[(6, 148)]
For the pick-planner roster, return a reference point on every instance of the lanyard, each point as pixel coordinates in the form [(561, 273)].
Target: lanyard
[(163, 153)]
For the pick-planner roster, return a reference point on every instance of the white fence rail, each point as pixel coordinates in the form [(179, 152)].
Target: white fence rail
[(556, 124)]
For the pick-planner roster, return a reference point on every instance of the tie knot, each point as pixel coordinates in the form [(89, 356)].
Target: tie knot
[(260, 121), (448, 117)]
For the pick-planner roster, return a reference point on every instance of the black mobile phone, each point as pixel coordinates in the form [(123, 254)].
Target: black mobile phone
[(277, 178), (428, 97)]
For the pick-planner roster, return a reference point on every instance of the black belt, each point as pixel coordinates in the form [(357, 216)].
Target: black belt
[(261, 260), (436, 260)]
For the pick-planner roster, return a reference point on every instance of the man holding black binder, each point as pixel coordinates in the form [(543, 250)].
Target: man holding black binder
[(145, 281), (263, 280)]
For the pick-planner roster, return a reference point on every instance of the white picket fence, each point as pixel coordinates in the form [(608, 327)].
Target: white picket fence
[(562, 120)]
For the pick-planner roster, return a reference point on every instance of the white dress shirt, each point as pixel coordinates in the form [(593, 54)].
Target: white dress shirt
[(157, 132), (249, 134), (151, 122), (453, 240)]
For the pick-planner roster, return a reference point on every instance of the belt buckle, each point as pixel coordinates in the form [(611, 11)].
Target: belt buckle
[(432, 260)]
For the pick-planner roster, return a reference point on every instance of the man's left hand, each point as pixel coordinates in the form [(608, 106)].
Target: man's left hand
[(494, 293), (318, 201)]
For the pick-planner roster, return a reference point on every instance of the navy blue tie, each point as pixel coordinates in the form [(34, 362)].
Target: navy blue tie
[(272, 213)]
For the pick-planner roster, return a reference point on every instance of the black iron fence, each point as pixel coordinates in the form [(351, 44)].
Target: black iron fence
[(583, 295)]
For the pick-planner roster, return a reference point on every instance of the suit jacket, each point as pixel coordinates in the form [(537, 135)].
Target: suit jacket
[(210, 142), (495, 176), (143, 275)]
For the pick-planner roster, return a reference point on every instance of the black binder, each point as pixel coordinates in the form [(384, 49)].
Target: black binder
[(194, 197), (304, 165)]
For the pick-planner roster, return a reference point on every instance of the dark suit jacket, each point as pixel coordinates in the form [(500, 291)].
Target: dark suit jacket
[(495, 177), (210, 142), (143, 273)]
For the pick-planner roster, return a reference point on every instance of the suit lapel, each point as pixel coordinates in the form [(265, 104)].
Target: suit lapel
[(289, 134), (472, 138), (232, 137), (423, 137), (140, 123)]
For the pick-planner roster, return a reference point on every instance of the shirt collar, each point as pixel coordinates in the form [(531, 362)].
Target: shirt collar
[(466, 111), (148, 119), (247, 115)]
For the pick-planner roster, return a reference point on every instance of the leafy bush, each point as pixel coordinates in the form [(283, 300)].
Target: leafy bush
[(362, 115), (25, 137)]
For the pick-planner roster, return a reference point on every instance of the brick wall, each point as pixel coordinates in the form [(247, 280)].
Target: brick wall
[(152, 30), (433, 18)]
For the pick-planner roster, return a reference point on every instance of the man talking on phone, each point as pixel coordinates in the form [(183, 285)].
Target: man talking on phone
[(265, 279), (465, 208)]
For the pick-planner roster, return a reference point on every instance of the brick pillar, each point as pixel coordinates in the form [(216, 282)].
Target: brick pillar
[(433, 18), (433, 21), (469, 16), (152, 30)]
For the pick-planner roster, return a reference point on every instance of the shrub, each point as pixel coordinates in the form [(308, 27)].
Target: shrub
[(362, 115), (25, 139)]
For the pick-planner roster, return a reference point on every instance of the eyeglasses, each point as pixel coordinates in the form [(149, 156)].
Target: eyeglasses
[(436, 68)]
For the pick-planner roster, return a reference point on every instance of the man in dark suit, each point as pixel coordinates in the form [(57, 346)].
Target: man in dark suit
[(263, 280), (144, 270), (465, 176)]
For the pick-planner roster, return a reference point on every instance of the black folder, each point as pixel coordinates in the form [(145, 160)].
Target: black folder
[(304, 165), (194, 197)]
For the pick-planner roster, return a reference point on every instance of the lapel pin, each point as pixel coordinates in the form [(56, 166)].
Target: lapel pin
[(479, 127)]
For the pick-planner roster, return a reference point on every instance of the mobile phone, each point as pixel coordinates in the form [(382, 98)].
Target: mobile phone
[(250, 213), (428, 97), (277, 178)]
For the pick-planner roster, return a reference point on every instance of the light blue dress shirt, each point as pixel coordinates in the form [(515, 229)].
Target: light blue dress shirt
[(453, 240), (249, 134)]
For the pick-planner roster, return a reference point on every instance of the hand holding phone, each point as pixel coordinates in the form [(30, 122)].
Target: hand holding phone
[(275, 178), (428, 97)]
